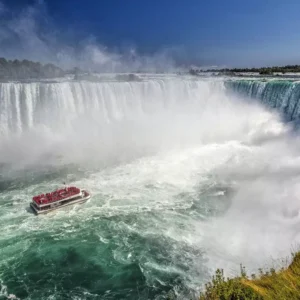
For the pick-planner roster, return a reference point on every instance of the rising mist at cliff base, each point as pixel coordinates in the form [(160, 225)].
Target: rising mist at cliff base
[(76, 119), (185, 178)]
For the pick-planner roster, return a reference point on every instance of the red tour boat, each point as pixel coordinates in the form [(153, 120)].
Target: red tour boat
[(45, 203)]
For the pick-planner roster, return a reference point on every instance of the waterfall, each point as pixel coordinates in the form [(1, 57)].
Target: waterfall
[(283, 95), (24, 106), (64, 105), (117, 119)]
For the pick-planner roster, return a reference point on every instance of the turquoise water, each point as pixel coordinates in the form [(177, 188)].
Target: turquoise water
[(125, 244), (184, 176), (284, 95)]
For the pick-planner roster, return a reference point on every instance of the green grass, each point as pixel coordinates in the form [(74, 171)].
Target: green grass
[(271, 285)]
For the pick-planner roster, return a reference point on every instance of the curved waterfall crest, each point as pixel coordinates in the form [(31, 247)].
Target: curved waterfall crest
[(26, 105), (283, 95)]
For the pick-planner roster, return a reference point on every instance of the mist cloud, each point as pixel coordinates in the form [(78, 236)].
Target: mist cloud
[(30, 33)]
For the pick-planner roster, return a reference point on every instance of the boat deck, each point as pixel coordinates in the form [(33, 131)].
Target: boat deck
[(51, 201), (55, 196)]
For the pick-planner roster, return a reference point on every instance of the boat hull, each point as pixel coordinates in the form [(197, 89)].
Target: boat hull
[(59, 205)]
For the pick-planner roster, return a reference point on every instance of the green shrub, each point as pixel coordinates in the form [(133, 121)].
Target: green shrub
[(269, 285)]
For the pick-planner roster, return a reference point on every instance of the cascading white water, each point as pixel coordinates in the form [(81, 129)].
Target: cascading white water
[(109, 116), (27, 105), (284, 95), (185, 178)]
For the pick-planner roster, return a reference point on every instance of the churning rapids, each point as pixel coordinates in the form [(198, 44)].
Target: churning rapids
[(186, 177)]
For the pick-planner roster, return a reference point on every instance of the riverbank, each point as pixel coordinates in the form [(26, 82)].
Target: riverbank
[(283, 284)]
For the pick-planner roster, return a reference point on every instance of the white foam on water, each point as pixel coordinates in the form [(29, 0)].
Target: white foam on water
[(165, 151)]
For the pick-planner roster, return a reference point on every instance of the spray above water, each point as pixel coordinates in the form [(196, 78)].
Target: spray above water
[(185, 178), (84, 120)]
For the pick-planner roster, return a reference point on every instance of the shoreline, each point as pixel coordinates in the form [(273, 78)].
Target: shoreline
[(267, 285)]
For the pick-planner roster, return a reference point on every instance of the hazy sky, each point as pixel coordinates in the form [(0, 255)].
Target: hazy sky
[(214, 32)]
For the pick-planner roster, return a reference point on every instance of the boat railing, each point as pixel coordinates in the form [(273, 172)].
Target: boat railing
[(57, 195)]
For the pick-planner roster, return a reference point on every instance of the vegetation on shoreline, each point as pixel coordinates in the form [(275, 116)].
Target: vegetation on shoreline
[(28, 70), (270, 285), (261, 71), (25, 69)]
